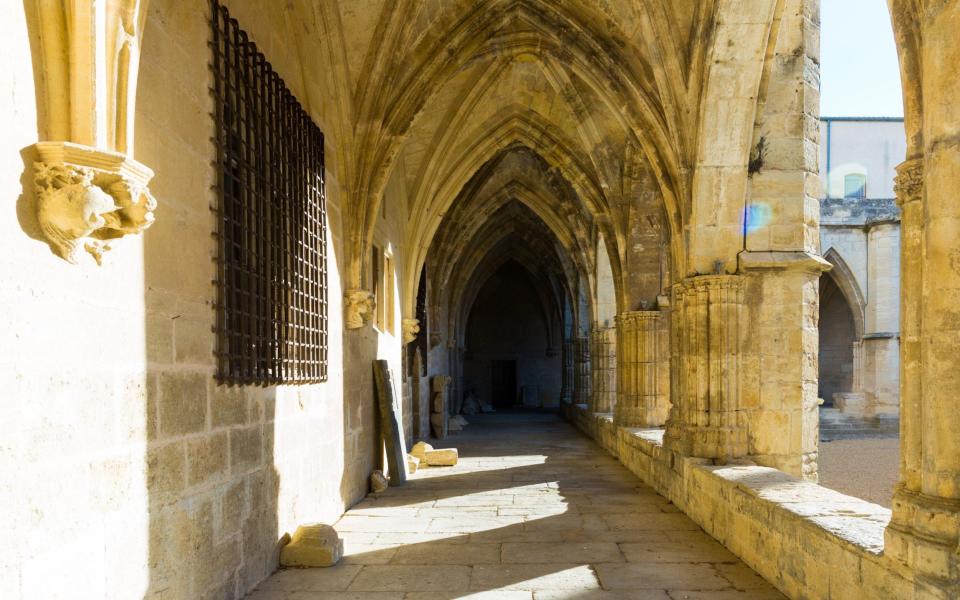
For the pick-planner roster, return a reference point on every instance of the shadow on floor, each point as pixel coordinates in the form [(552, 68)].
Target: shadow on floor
[(533, 509)]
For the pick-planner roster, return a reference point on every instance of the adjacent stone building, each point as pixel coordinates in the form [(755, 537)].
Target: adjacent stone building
[(220, 214), (860, 237)]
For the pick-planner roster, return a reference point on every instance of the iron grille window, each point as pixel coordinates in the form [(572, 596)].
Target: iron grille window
[(271, 214)]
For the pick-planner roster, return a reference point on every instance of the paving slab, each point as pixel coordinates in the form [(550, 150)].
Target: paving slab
[(532, 511)]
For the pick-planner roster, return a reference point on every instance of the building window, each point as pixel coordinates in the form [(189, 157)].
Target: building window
[(376, 278), (271, 220), (381, 276), (855, 186), (389, 297)]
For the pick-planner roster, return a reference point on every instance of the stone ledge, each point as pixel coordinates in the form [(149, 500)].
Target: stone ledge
[(809, 541)]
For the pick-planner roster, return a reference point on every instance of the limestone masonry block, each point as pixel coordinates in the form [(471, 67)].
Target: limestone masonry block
[(444, 457), (378, 482), (313, 546), (420, 449)]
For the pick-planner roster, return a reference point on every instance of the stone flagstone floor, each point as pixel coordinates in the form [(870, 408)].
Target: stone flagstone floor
[(534, 510)]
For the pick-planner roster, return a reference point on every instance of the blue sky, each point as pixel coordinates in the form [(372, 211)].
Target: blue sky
[(859, 76)]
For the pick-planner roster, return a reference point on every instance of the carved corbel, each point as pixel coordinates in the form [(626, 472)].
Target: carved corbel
[(411, 327), (908, 184), (87, 197), (358, 307)]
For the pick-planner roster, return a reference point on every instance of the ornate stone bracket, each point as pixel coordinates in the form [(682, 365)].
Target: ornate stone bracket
[(908, 184), (411, 327), (358, 307), (87, 197)]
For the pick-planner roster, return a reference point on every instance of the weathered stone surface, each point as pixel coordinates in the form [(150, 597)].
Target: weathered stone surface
[(420, 449), (378, 482), (312, 546), (412, 464), (443, 457), (439, 424)]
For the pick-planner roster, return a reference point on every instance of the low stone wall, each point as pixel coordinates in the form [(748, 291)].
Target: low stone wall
[(809, 541)]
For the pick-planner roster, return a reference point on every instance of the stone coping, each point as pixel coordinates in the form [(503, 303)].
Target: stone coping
[(810, 541), (852, 520)]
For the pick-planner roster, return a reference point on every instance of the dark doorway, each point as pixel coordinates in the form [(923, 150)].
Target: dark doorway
[(503, 383), (837, 335)]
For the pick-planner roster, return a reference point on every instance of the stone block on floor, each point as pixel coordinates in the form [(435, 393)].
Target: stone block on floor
[(315, 545), (444, 457)]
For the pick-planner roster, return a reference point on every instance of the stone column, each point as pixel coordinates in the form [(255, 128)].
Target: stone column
[(924, 530), (706, 419), (881, 346), (581, 371), (603, 361), (566, 373), (643, 366)]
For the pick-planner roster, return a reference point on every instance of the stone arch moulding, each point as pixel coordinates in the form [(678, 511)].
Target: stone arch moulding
[(89, 189), (847, 282), (474, 36)]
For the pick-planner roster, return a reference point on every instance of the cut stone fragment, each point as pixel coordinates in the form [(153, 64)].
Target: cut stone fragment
[(378, 482), (413, 463), (419, 449), (315, 545), (444, 457), (454, 425)]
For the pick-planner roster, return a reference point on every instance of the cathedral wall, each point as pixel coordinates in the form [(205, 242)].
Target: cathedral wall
[(73, 378), (126, 465)]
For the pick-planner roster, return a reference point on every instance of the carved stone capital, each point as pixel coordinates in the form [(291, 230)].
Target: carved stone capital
[(908, 184), (86, 197), (634, 318), (358, 307), (411, 327)]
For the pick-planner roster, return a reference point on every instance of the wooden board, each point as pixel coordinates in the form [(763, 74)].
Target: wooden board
[(391, 425)]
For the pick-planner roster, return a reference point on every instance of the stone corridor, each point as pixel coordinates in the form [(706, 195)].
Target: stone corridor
[(533, 510)]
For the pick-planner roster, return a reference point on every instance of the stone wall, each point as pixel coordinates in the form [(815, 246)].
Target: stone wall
[(124, 454), (73, 373), (861, 239)]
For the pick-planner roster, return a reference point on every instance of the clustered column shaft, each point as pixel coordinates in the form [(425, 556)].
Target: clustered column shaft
[(924, 530), (581, 373), (706, 420), (644, 370), (604, 365)]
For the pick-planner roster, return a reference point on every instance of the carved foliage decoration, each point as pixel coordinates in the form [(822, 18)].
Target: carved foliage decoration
[(411, 327), (908, 184), (87, 197), (358, 308)]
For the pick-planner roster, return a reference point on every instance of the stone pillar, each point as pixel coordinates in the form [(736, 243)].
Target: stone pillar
[(881, 346), (857, 386), (566, 380), (581, 371), (643, 365), (603, 361), (924, 530), (706, 419)]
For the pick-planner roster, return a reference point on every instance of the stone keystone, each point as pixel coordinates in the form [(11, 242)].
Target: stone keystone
[(312, 546)]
